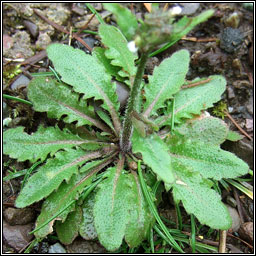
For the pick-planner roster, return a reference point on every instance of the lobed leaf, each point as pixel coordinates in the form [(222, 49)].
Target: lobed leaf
[(125, 19), (111, 209), (58, 100), (22, 146), (87, 229), (50, 176), (86, 75), (199, 199), (192, 101), (58, 201), (141, 219), (68, 230), (155, 154), (208, 159), (210, 130), (167, 79), (118, 50)]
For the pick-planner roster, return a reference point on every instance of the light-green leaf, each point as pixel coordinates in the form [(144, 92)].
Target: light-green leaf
[(49, 176), (210, 130), (86, 75), (111, 209), (118, 50), (68, 230), (234, 136), (58, 202), (208, 159), (141, 219), (22, 146), (155, 154), (125, 19), (191, 101), (199, 199), (57, 100), (167, 79)]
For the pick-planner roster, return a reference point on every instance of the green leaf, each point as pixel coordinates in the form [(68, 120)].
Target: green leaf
[(167, 79), (87, 229), (191, 101), (141, 219), (58, 100), (99, 53), (58, 201), (68, 230), (233, 136), (199, 199), (208, 159), (49, 176), (118, 50), (86, 75), (210, 130), (125, 19), (111, 209), (22, 146), (155, 154)]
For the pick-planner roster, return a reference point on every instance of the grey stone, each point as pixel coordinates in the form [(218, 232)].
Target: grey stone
[(19, 216), (21, 81), (189, 8), (56, 248), (83, 246), (17, 236), (32, 28), (236, 221), (231, 39)]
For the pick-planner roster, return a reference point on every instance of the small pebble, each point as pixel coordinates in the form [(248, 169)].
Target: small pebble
[(189, 8), (56, 248), (236, 221), (16, 216), (231, 93), (246, 231), (231, 39), (32, 28), (21, 81)]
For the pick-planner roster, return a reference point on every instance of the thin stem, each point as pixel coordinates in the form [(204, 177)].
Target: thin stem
[(125, 143)]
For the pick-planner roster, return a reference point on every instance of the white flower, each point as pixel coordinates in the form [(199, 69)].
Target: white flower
[(132, 47), (176, 10)]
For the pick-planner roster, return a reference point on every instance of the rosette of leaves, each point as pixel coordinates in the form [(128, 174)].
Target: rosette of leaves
[(186, 159)]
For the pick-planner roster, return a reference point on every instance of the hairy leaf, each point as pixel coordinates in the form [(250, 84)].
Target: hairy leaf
[(86, 75), (58, 100), (199, 199), (50, 175), (125, 19), (58, 201), (118, 50), (234, 136), (68, 230), (167, 79), (87, 229), (208, 159), (99, 53), (210, 130), (141, 219), (155, 154), (22, 146), (192, 100), (111, 209)]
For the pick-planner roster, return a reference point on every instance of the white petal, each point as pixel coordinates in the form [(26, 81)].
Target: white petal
[(132, 47)]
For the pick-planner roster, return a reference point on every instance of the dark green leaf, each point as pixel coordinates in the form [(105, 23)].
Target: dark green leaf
[(68, 230)]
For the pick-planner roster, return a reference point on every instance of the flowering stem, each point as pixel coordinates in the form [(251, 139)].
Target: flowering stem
[(125, 142)]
